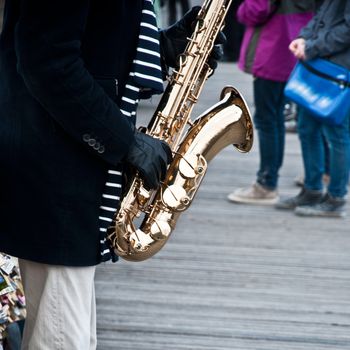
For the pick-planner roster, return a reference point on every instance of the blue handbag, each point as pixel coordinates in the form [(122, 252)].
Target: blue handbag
[(322, 88)]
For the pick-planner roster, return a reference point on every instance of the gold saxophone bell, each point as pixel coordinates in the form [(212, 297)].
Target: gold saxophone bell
[(194, 144)]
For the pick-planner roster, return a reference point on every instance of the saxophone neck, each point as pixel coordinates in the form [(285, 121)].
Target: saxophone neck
[(227, 122)]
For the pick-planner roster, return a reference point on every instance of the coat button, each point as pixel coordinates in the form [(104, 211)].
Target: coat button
[(92, 142), (101, 149), (96, 145), (86, 137)]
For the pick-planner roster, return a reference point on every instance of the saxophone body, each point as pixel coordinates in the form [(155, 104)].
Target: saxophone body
[(193, 143)]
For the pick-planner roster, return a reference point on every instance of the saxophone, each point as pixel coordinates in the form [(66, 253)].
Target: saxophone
[(193, 143)]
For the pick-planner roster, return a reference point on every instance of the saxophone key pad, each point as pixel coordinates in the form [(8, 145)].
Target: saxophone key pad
[(175, 197), (160, 230), (188, 165)]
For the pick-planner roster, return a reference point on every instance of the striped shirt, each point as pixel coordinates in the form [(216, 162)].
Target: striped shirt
[(145, 79)]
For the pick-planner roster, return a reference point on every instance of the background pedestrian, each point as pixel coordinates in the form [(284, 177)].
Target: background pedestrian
[(270, 26), (326, 36)]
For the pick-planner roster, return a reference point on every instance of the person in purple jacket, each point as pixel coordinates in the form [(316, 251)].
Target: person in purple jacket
[(270, 27)]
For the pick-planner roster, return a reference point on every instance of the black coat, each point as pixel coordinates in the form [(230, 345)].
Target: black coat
[(59, 62), (327, 35)]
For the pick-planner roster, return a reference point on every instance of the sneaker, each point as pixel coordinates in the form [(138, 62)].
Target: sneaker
[(305, 197), (256, 194), (329, 207)]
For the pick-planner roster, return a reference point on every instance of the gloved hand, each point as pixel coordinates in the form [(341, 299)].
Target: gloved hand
[(150, 157), (173, 40)]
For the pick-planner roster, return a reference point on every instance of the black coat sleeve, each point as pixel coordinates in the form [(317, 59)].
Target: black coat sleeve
[(330, 41), (48, 47)]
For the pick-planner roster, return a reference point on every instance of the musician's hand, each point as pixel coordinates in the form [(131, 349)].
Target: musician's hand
[(173, 40), (150, 157)]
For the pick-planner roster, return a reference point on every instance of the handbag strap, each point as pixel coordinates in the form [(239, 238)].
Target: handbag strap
[(343, 83)]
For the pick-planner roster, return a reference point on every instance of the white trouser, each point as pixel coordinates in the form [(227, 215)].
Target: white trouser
[(61, 307)]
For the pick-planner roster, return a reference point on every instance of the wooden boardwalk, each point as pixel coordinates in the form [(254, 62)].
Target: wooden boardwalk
[(233, 276)]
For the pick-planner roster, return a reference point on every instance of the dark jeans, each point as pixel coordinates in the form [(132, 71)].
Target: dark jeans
[(234, 33), (338, 139), (269, 122)]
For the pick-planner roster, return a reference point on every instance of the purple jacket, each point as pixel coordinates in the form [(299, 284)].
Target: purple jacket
[(270, 27)]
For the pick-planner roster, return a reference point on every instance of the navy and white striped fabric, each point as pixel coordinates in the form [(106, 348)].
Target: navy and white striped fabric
[(145, 80)]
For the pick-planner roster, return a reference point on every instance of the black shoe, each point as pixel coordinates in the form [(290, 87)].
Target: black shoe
[(305, 197), (329, 207)]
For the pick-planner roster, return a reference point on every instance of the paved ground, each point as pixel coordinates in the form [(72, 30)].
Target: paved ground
[(233, 276)]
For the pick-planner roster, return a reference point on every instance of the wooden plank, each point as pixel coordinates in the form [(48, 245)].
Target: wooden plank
[(233, 276)]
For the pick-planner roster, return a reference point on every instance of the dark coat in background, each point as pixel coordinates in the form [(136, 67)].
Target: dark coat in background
[(59, 63), (327, 35)]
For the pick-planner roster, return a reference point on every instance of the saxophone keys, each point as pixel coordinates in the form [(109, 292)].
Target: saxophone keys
[(175, 197), (140, 241), (143, 193), (160, 230), (187, 166), (182, 59), (192, 165)]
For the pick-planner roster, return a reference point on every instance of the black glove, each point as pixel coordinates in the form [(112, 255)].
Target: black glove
[(150, 157), (173, 40)]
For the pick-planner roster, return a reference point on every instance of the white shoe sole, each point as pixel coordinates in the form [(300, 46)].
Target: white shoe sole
[(239, 200)]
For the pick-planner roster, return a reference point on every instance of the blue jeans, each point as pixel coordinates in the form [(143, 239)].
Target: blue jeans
[(269, 123), (338, 139)]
